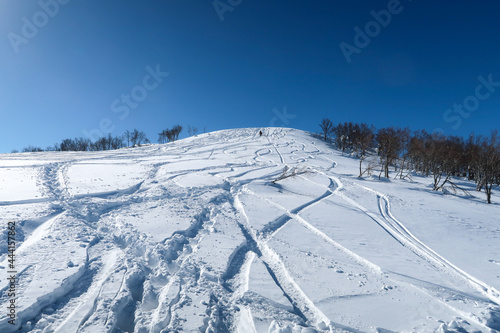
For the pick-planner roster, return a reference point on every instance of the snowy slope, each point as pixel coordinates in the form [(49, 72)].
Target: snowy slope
[(194, 236)]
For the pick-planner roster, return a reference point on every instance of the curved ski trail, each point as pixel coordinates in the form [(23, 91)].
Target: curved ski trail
[(294, 215), (85, 309), (305, 308), (277, 150), (399, 232)]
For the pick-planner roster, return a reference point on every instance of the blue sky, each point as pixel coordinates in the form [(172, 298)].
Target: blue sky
[(73, 67)]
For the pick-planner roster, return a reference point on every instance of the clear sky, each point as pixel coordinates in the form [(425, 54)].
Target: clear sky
[(72, 67)]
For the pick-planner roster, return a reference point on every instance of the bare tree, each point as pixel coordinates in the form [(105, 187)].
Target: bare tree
[(404, 136), (364, 143), (31, 149), (341, 132), (127, 136), (176, 130), (141, 138), (162, 136), (442, 157), (170, 135), (134, 136), (473, 158), (489, 159), (443, 160), (326, 127), (137, 137), (117, 142), (82, 144), (390, 146), (192, 130)]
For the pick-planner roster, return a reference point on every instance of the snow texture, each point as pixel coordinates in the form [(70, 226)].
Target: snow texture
[(233, 232)]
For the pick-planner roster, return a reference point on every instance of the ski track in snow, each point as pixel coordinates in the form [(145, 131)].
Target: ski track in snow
[(396, 229), (304, 307), (402, 235), (128, 282)]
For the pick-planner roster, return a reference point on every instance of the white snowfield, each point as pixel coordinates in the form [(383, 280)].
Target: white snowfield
[(194, 236)]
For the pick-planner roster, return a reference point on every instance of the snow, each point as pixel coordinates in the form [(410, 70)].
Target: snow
[(24, 188), (195, 236)]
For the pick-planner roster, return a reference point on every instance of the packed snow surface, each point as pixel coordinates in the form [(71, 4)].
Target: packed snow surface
[(196, 236)]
